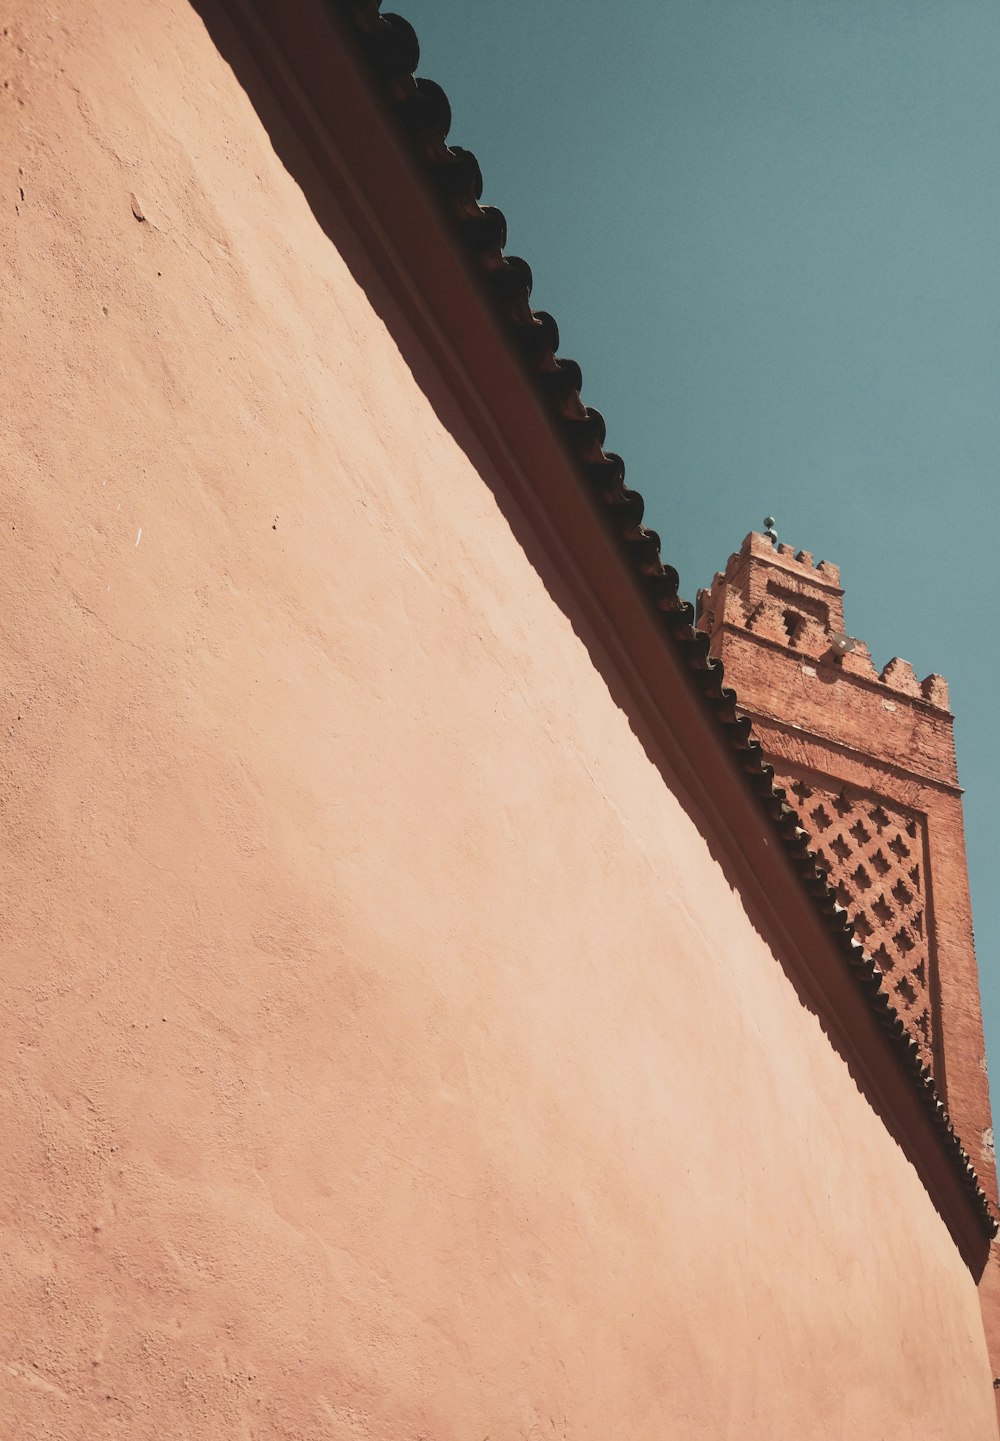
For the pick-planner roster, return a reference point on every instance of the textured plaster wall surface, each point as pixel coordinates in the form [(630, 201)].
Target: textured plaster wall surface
[(383, 1052)]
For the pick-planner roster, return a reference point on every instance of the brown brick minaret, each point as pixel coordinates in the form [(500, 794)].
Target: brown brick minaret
[(868, 761)]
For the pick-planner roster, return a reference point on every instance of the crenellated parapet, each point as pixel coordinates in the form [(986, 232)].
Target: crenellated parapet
[(781, 595)]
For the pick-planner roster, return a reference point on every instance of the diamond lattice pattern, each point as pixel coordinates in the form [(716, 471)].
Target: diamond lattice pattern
[(874, 855)]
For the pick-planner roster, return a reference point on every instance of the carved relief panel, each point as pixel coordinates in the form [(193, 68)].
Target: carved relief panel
[(874, 854)]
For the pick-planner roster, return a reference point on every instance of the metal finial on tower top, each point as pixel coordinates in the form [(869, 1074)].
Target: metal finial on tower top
[(769, 529)]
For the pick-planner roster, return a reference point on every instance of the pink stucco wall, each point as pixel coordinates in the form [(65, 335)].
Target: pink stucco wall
[(384, 1050)]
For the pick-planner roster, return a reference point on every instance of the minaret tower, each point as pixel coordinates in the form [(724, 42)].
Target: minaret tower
[(867, 759)]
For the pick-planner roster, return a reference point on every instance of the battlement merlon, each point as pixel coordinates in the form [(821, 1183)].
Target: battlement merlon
[(783, 596)]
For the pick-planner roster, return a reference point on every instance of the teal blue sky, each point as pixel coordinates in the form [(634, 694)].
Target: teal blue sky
[(768, 230)]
